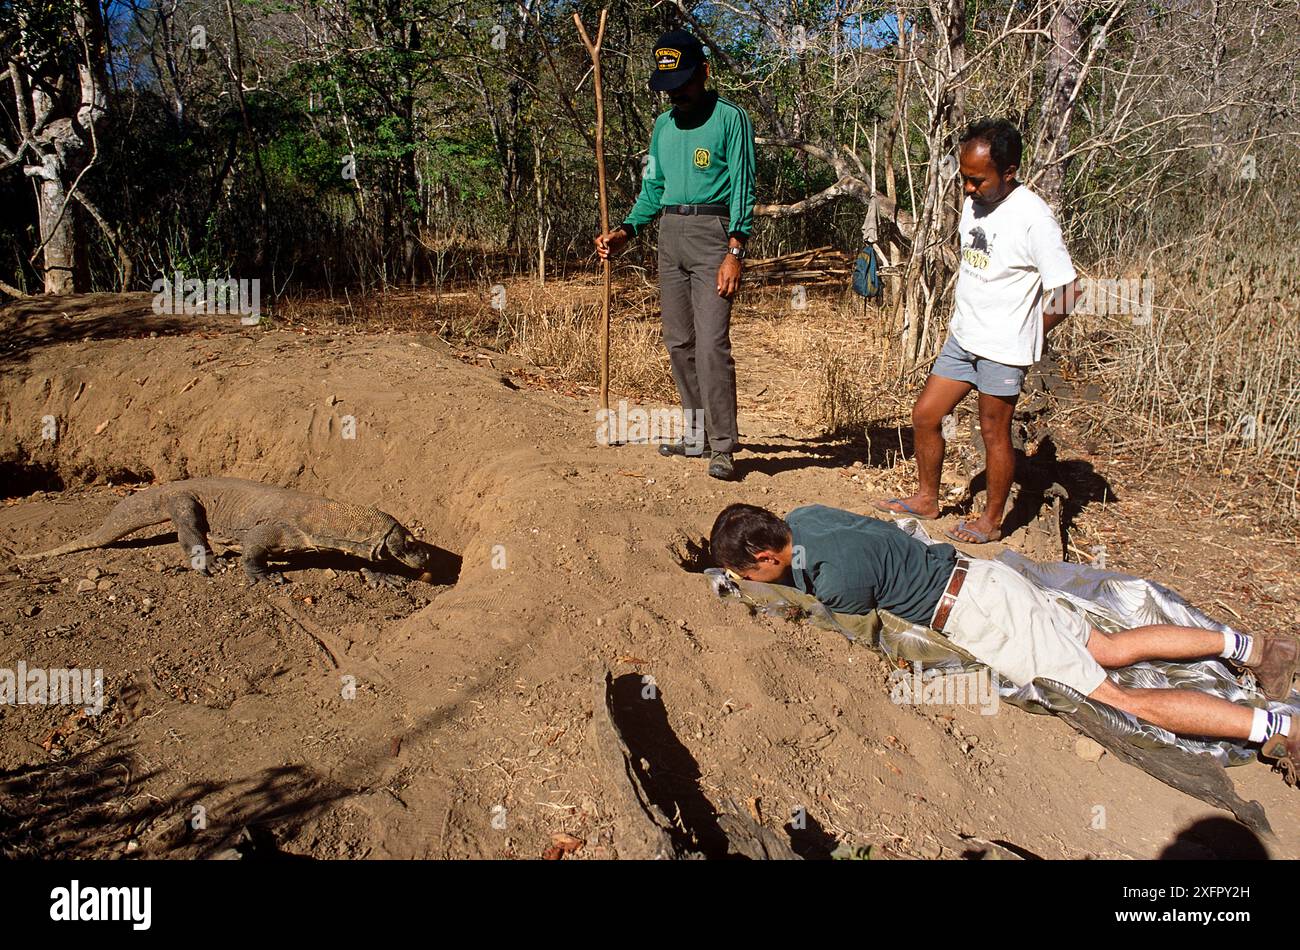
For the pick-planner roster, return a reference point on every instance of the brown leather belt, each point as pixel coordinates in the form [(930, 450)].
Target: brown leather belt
[(949, 597)]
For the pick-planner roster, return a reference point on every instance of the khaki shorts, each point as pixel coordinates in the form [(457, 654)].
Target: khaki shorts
[(1020, 631)]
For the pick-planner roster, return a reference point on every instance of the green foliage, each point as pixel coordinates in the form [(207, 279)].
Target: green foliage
[(302, 162)]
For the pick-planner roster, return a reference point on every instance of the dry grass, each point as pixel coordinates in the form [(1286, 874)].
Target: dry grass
[(564, 342), (1220, 359), (1210, 386)]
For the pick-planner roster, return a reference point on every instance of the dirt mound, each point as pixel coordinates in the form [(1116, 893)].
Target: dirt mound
[(330, 718)]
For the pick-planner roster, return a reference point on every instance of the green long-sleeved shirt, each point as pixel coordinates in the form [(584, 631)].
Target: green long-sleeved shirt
[(708, 162)]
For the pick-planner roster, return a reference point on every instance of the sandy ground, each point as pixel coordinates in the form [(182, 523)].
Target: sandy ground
[(330, 719)]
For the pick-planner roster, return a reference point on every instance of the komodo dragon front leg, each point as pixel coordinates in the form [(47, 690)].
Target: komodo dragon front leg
[(191, 523)]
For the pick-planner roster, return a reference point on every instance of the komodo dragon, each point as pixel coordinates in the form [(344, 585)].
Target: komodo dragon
[(259, 520)]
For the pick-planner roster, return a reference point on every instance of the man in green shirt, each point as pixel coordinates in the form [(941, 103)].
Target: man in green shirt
[(854, 564), (700, 173)]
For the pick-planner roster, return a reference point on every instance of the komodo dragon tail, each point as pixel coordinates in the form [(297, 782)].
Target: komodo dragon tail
[(141, 510)]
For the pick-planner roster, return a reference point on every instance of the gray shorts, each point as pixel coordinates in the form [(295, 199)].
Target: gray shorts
[(988, 376)]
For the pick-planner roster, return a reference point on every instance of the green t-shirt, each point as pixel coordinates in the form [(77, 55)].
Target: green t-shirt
[(707, 160), (853, 564)]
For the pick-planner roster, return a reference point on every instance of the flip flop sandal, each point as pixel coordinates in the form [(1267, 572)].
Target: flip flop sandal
[(908, 509), (979, 536), (1275, 749)]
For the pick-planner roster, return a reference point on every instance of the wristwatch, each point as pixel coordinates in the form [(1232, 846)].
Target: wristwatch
[(737, 252)]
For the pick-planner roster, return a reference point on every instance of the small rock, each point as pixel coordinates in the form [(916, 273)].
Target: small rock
[(93, 574), (85, 586), (1088, 749), (331, 400), (31, 610), (104, 585), (331, 573)]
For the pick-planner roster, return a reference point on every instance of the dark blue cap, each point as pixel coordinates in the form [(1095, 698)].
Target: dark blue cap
[(677, 56)]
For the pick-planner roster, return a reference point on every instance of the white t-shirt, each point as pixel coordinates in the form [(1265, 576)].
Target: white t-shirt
[(1010, 252)]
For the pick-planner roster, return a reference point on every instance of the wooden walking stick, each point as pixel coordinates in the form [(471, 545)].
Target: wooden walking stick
[(594, 50)]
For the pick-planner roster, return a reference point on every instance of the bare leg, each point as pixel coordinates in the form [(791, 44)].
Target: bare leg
[(939, 397), (1185, 712), (999, 463), (1154, 642)]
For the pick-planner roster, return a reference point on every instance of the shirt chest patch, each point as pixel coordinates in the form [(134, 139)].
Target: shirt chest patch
[(702, 158), (977, 249)]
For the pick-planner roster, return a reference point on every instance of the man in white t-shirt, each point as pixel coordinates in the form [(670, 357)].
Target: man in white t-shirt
[(1011, 251)]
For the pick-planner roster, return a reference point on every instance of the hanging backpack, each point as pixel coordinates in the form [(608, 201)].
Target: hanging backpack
[(866, 273)]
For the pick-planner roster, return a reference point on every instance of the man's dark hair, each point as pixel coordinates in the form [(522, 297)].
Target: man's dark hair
[(1002, 138), (743, 530)]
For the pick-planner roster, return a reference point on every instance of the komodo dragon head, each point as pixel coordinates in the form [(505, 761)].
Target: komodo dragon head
[(407, 548)]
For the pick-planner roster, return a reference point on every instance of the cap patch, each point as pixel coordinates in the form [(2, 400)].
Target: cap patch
[(667, 58)]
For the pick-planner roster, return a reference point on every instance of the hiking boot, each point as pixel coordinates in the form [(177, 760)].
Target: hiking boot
[(694, 449), (1285, 752), (723, 466), (1276, 667)]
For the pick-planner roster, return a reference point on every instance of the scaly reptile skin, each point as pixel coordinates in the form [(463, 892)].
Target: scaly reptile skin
[(259, 520)]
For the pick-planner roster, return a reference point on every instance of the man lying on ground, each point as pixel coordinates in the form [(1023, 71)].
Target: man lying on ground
[(854, 564)]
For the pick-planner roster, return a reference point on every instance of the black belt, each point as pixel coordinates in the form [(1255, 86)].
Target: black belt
[(721, 211)]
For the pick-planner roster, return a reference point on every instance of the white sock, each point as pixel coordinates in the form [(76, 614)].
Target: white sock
[(1264, 725), (1237, 646)]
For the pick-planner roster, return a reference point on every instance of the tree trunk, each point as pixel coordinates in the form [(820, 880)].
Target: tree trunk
[(56, 230), (57, 145), (1063, 62), (927, 271)]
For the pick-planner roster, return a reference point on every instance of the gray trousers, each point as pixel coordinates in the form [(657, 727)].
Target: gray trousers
[(697, 322)]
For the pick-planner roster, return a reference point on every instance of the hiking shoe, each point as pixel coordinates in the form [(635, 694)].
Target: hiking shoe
[(1285, 752), (1276, 667), (683, 447), (723, 466)]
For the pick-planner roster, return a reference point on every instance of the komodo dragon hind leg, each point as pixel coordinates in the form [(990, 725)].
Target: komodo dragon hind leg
[(258, 544), (191, 530)]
